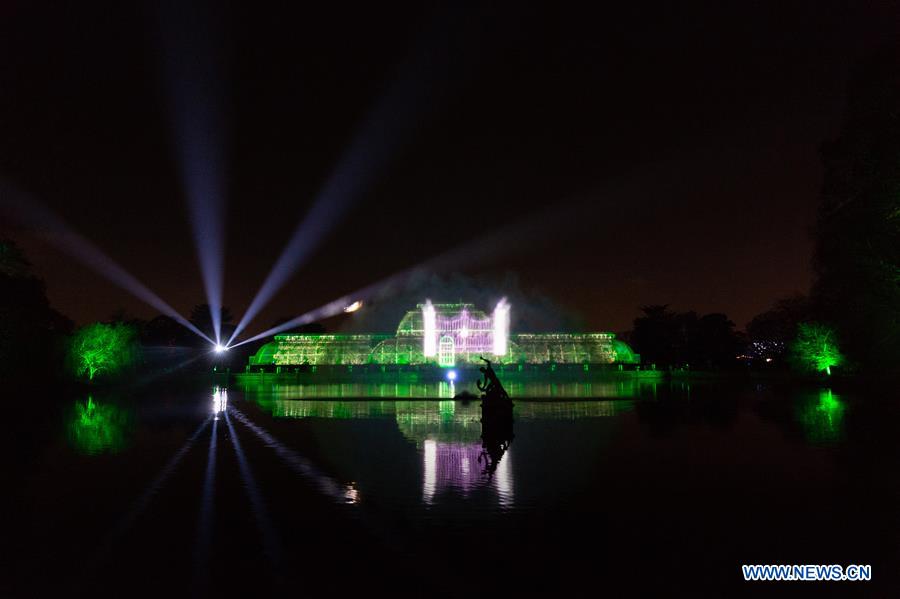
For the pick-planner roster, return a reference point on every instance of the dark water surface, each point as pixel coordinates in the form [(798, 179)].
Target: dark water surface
[(301, 491)]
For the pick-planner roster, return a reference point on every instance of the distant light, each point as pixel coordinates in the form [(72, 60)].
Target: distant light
[(451, 375), (351, 494), (354, 306), (219, 348)]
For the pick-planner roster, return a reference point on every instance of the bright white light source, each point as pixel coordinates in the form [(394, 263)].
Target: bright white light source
[(354, 306), (429, 323), (220, 348), (451, 375), (501, 327)]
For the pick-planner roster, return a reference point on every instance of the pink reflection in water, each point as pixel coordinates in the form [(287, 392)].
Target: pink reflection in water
[(454, 468)]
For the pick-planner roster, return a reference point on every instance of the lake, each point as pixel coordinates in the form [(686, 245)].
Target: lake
[(621, 488)]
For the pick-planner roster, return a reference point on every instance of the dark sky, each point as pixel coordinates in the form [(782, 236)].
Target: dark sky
[(673, 150)]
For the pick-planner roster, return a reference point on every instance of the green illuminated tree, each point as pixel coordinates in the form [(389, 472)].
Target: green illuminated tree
[(103, 348), (822, 419), (816, 348)]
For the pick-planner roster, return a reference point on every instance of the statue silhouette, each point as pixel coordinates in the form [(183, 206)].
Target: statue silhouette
[(491, 388), (496, 419)]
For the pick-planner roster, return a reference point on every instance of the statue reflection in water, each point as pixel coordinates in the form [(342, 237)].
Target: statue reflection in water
[(496, 419)]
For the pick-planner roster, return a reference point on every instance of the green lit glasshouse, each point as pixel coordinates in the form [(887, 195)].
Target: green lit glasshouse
[(444, 335)]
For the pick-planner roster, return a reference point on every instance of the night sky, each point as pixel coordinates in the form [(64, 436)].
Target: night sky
[(671, 151)]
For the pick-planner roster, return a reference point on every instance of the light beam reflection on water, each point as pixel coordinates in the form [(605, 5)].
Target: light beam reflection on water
[(207, 511), (271, 542), (300, 465), (137, 508)]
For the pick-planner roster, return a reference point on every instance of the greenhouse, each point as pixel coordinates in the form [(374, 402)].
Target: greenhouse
[(445, 335)]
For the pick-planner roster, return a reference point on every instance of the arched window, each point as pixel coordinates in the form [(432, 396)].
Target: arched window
[(446, 351)]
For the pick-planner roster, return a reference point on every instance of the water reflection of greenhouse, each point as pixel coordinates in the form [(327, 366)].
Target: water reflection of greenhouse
[(418, 421), (446, 433), (566, 389)]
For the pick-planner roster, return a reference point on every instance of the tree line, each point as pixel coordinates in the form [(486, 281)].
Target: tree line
[(783, 337), (851, 316)]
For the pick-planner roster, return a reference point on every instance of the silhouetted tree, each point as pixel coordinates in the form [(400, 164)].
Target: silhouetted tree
[(122, 315), (715, 344), (770, 333), (657, 337), (31, 332), (779, 323), (12, 261), (858, 234), (673, 339), (201, 317), (165, 331)]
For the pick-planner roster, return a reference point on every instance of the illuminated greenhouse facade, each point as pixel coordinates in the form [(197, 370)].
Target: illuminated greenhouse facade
[(445, 335)]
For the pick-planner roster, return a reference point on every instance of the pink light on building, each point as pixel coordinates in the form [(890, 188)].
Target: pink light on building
[(469, 334), (501, 328), (430, 330)]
